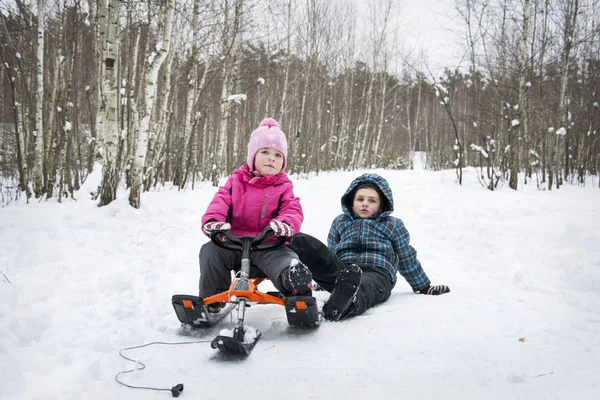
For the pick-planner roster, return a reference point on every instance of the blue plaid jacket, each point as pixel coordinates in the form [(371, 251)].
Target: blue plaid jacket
[(380, 241)]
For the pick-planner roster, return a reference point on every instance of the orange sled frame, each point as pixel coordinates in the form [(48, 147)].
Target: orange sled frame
[(300, 310)]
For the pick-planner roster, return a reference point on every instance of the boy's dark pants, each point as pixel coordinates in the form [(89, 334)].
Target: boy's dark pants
[(375, 285)]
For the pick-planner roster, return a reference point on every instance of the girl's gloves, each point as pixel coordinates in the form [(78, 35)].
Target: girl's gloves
[(435, 290), (281, 228), (211, 226)]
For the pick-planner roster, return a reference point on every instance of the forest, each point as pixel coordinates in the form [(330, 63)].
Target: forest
[(168, 91)]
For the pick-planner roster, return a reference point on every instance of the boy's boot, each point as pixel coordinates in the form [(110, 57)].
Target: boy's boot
[(343, 297)]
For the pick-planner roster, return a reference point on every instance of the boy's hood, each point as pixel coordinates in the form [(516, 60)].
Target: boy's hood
[(373, 179)]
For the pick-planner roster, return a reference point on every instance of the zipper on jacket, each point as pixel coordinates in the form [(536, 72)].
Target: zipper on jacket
[(264, 209)]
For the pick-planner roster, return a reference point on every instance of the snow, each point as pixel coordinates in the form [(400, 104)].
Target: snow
[(237, 98), (479, 149), (81, 283)]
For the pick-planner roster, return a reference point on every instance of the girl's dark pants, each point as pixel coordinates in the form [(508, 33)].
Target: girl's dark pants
[(375, 285)]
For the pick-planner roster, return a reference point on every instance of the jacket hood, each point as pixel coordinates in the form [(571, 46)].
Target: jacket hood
[(387, 201)]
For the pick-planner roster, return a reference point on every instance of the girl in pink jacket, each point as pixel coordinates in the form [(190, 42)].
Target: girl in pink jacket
[(256, 195)]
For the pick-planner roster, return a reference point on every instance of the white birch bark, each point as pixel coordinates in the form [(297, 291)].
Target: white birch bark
[(375, 152), (12, 77), (221, 153), (221, 161), (38, 181), (51, 134), (571, 12), (154, 61), (342, 157), (68, 125), (409, 124), (520, 129), (379, 15), (107, 122), (288, 51), (190, 114), (157, 154), (203, 141)]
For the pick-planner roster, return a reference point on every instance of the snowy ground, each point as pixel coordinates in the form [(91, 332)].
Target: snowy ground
[(79, 283)]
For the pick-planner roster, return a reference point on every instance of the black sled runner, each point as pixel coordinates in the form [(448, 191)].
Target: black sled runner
[(194, 311)]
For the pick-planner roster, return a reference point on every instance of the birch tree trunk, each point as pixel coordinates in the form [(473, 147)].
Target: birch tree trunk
[(358, 156), (129, 118), (519, 127), (341, 154), (409, 125), (52, 135), (198, 143), (67, 126), (571, 12), (379, 17), (382, 66), (39, 188), (156, 152), (154, 61), (375, 153), (416, 126), (546, 163), (108, 121), (20, 141), (190, 112), (229, 40), (502, 81), (20, 127), (288, 52)]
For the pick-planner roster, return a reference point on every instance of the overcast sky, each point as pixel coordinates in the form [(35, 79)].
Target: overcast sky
[(429, 25)]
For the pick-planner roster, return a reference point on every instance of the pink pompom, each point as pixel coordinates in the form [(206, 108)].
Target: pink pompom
[(270, 122)]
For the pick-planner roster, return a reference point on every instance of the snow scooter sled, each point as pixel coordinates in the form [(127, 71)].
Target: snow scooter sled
[(192, 310)]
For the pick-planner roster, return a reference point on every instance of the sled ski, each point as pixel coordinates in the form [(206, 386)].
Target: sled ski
[(191, 311), (302, 311), (239, 344)]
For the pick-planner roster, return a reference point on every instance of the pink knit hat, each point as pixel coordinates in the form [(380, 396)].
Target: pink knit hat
[(266, 135)]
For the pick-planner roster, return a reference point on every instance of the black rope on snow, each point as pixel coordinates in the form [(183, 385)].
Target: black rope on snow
[(175, 390)]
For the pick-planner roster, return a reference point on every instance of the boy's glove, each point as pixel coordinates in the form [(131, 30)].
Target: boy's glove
[(211, 226), (281, 228), (435, 290)]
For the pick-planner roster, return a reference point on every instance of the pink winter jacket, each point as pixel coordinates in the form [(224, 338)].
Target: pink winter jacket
[(250, 202)]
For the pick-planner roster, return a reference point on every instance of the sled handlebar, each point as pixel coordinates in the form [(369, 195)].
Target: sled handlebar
[(251, 242)]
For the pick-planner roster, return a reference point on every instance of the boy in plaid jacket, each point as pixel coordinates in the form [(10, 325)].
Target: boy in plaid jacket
[(366, 248)]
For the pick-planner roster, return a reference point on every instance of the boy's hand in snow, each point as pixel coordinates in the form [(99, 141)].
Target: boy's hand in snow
[(281, 228), (211, 226), (435, 290)]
